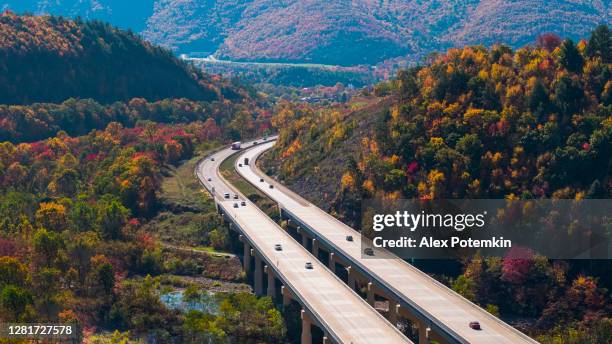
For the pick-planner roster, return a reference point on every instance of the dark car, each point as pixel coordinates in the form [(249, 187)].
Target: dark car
[(212, 159), (255, 143), (261, 180), (349, 238), (235, 205), (369, 251), (235, 196), (308, 265), (209, 179), (239, 165), (475, 325), (278, 247), (243, 203), (271, 186), (226, 195)]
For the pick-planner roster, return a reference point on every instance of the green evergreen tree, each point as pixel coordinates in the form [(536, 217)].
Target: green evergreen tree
[(570, 57), (600, 44)]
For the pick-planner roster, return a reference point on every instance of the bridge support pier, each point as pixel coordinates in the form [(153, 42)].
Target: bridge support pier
[(371, 299), (305, 240), (271, 283), (246, 264), (286, 296), (258, 276), (393, 311), (332, 262), (306, 329), (423, 333), (418, 324), (351, 277), (315, 248)]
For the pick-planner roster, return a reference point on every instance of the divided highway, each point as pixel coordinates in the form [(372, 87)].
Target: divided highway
[(429, 302), (327, 302)]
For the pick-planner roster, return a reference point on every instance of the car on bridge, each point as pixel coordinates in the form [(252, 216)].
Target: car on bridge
[(308, 266)]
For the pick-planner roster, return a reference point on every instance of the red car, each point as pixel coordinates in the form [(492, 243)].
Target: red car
[(475, 325)]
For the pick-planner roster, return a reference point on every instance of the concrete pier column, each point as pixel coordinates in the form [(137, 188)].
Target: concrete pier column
[(306, 329), (246, 264), (271, 283), (351, 277), (258, 276), (393, 311), (304, 240), (286, 295), (332, 262), (423, 333), (370, 297), (315, 248)]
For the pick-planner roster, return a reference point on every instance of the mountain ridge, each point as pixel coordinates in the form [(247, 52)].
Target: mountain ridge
[(344, 33)]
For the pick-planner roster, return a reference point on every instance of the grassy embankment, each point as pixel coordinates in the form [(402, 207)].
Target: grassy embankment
[(189, 230)]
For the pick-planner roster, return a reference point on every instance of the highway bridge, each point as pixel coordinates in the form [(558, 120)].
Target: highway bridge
[(280, 271), (439, 313)]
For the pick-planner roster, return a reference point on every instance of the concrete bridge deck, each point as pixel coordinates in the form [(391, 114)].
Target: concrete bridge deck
[(327, 302)]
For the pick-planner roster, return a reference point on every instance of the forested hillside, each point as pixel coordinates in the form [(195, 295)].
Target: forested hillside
[(50, 63), (19, 123), (102, 121), (73, 248), (50, 59), (535, 122)]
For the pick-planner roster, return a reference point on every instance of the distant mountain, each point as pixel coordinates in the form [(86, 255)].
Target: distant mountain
[(334, 32), (124, 14)]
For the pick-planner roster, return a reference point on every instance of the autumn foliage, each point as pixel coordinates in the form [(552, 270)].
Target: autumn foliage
[(530, 123)]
